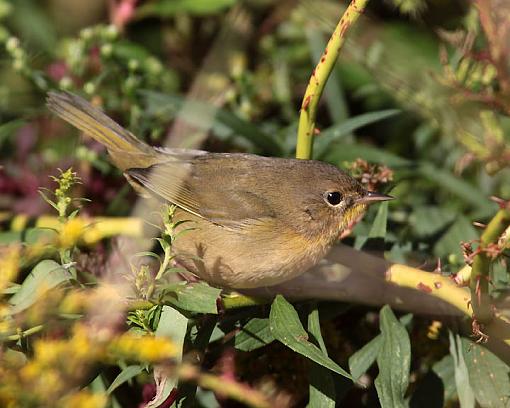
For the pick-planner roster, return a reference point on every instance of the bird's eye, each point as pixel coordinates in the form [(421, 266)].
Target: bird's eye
[(333, 198)]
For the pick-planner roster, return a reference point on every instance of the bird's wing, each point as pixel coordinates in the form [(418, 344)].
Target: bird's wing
[(220, 195)]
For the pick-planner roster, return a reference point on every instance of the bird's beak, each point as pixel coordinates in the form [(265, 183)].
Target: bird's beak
[(371, 196)]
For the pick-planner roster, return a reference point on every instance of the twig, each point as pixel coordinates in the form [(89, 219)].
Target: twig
[(22, 334)]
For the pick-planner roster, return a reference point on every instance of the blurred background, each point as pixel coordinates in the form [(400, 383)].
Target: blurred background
[(417, 105)]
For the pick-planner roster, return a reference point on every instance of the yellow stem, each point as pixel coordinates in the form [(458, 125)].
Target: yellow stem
[(434, 284), (444, 288), (320, 75)]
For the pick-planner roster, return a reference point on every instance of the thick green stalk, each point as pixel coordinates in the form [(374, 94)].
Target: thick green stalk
[(479, 280), (320, 75)]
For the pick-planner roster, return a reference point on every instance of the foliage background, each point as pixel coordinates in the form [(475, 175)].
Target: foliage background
[(421, 87)]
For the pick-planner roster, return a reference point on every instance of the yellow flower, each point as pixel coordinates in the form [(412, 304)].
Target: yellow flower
[(81, 346), (49, 352), (146, 348), (71, 232), (6, 322), (433, 330), (84, 399), (74, 303), (9, 264)]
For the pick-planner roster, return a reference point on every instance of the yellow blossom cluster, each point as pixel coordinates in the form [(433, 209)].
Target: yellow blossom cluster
[(60, 363), (9, 264)]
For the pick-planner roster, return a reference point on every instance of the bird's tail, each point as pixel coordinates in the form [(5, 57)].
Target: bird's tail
[(125, 148)]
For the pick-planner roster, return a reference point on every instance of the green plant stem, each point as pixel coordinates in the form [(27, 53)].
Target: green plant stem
[(479, 280), (166, 261), (235, 300), (139, 304), (26, 333), (228, 388), (320, 75)]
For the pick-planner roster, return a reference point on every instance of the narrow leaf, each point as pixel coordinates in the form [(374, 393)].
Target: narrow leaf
[(351, 152), (125, 375), (445, 370), (322, 386), (378, 229), (253, 335), (286, 328), (46, 275), (172, 324), (335, 133), (394, 360), (455, 185), (7, 129), (169, 8), (464, 390), (206, 117), (362, 359)]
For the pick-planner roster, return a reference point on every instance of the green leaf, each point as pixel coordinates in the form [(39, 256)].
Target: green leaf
[(193, 297), (7, 129), (314, 328), (130, 51), (428, 220), (169, 8), (253, 335), (455, 185), (46, 275), (125, 375), (488, 375), (362, 359), (449, 243), (206, 117), (32, 23), (249, 132), (323, 143), (394, 360), (349, 152), (378, 229), (174, 325), (464, 390), (322, 385), (445, 370), (286, 328), (199, 342)]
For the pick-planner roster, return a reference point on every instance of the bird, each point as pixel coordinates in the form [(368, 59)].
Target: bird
[(251, 221)]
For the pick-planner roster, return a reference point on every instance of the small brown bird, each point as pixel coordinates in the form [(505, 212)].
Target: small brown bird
[(257, 221)]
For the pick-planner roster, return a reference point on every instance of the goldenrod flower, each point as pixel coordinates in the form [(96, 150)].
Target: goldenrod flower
[(146, 348), (9, 264), (84, 399), (71, 232)]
